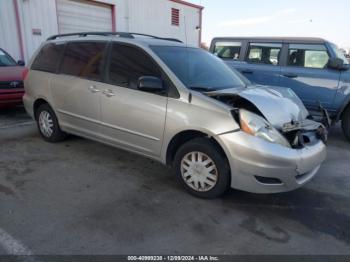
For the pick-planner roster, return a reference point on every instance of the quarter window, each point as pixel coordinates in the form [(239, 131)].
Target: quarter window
[(228, 50), (48, 58), (128, 64), (84, 59), (261, 53), (310, 56)]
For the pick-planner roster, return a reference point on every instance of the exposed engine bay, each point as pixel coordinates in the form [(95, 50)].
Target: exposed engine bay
[(284, 111)]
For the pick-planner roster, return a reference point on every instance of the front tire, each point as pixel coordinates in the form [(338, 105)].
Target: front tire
[(48, 124), (202, 168), (346, 123)]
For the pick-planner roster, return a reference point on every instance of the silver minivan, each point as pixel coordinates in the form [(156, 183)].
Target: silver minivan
[(176, 104)]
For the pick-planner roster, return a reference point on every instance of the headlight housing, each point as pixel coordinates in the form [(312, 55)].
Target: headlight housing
[(257, 126)]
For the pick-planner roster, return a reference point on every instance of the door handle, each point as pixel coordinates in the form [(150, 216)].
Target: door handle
[(93, 89), (247, 71), (291, 75), (108, 93)]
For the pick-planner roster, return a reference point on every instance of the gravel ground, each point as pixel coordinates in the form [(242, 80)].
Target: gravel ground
[(82, 197)]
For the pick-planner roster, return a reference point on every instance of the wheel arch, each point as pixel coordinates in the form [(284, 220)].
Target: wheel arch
[(343, 108), (184, 136), (37, 103)]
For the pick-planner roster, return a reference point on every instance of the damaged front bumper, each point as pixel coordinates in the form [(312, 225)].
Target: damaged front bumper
[(259, 166)]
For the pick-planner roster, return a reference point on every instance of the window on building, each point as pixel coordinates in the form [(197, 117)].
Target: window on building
[(310, 56), (261, 53), (175, 17), (48, 58), (128, 64), (83, 59), (228, 50)]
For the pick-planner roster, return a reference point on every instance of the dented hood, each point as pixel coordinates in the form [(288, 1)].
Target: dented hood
[(279, 105)]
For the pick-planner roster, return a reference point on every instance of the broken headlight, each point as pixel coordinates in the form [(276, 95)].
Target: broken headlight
[(257, 126)]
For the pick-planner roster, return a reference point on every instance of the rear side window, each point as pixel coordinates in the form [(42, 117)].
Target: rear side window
[(228, 50), (309, 56), (264, 53), (128, 64), (84, 59), (48, 57)]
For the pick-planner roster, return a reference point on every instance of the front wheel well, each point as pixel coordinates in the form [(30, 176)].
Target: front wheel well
[(181, 138), (346, 108)]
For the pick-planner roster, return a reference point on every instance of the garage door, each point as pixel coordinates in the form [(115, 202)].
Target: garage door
[(79, 15)]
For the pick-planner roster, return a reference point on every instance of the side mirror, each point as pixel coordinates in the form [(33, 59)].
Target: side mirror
[(21, 63), (336, 63), (150, 84)]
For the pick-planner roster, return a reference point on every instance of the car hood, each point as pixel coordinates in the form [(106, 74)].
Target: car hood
[(10, 73), (278, 105)]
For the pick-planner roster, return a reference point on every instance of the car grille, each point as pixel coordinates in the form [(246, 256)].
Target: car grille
[(11, 84)]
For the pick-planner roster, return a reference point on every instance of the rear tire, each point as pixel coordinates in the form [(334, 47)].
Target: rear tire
[(346, 123), (48, 124), (202, 168)]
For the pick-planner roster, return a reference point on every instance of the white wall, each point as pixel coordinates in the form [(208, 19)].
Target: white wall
[(154, 17), (8, 29), (141, 16), (37, 14)]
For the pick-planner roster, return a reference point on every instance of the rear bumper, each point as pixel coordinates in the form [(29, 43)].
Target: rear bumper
[(252, 158), (11, 97), (28, 105)]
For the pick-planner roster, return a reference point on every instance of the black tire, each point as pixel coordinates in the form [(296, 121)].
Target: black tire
[(209, 148), (346, 123), (57, 134)]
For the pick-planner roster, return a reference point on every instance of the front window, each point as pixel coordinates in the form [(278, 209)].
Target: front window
[(128, 64), (309, 56), (6, 60), (339, 53), (198, 69)]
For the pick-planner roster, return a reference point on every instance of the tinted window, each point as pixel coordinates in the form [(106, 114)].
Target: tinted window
[(261, 53), (84, 59), (310, 56), (128, 64), (228, 50), (198, 69), (48, 58)]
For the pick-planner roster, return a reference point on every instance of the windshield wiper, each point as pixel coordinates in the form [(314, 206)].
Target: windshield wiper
[(201, 88)]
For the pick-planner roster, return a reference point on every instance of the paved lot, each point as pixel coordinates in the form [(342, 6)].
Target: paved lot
[(82, 197)]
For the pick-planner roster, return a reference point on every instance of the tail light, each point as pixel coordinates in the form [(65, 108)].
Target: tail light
[(25, 73)]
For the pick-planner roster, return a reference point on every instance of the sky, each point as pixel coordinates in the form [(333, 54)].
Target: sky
[(313, 18)]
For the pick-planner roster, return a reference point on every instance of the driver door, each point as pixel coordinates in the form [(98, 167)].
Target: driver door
[(306, 72)]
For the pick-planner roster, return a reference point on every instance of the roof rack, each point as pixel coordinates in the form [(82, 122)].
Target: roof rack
[(119, 34)]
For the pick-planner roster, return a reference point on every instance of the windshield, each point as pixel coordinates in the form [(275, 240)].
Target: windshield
[(198, 69), (6, 60), (339, 53)]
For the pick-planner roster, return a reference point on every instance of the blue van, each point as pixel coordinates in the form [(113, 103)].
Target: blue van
[(314, 68)]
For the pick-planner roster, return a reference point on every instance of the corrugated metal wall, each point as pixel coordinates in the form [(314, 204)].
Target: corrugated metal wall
[(37, 15), (8, 30), (38, 19)]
